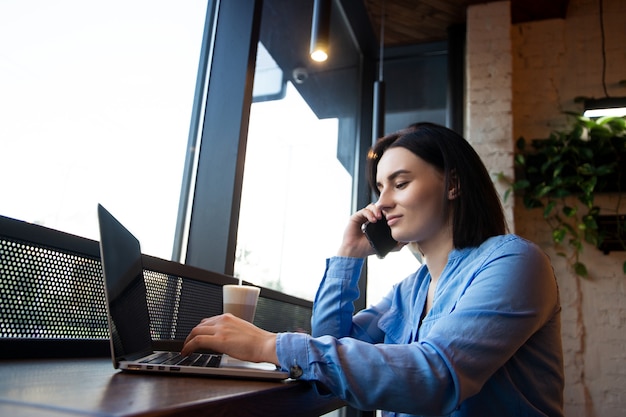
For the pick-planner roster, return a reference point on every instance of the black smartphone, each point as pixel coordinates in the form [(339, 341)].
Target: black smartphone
[(379, 236)]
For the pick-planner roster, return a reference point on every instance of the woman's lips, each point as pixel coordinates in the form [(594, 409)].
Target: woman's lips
[(391, 220)]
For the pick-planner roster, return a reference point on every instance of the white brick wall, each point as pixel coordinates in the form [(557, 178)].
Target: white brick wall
[(488, 112), (521, 89)]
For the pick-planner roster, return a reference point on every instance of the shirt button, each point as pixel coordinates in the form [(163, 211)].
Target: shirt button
[(295, 371)]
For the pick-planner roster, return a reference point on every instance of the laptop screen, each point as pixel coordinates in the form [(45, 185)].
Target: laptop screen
[(125, 288)]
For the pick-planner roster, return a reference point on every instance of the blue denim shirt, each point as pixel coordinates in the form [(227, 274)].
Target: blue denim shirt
[(489, 346)]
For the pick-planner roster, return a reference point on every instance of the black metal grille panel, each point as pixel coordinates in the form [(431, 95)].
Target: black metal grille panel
[(54, 294), (50, 294), (176, 306), (276, 316)]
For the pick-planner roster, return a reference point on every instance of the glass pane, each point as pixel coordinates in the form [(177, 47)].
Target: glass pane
[(286, 226), (416, 87), (297, 183), (95, 107), (382, 274)]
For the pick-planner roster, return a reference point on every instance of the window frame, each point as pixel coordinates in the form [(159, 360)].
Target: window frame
[(219, 173)]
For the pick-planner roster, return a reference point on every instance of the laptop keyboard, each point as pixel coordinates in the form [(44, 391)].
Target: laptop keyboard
[(206, 360)]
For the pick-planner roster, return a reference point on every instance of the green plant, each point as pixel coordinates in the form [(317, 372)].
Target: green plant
[(562, 174)]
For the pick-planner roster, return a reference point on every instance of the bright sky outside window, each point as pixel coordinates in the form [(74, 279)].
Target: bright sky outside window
[(90, 86)]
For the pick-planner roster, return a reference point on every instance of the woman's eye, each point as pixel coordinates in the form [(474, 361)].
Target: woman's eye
[(401, 184)]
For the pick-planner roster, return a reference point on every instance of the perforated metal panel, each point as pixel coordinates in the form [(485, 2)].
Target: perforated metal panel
[(50, 294), (277, 316), (176, 306)]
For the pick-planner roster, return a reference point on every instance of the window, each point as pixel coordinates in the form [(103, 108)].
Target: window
[(95, 106), (297, 187), (415, 82), (296, 197)]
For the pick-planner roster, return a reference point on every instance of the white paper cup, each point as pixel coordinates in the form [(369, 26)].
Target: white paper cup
[(241, 300)]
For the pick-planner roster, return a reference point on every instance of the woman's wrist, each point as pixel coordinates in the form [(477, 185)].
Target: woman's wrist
[(269, 351), (350, 253)]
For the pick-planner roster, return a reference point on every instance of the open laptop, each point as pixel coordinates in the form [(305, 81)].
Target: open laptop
[(129, 320)]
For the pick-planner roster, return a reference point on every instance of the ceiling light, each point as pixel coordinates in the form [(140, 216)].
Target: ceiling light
[(608, 106), (320, 28)]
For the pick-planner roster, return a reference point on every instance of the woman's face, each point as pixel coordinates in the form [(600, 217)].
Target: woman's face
[(411, 196)]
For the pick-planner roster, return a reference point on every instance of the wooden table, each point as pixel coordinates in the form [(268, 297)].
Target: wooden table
[(91, 387)]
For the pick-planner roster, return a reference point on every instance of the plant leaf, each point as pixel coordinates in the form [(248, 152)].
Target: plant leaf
[(577, 131), (605, 169), (589, 185), (590, 222), (580, 269), (561, 192), (543, 191), (557, 169), (568, 227), (586, 199), (617, 125), (569, 211), (506, 195), (558, 235), (585, 169), (600, 132), (576, 244), (591, 236), (521, 184), (548, 209)]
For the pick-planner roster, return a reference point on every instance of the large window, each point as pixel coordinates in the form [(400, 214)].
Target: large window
[(95, 105), (300, 169)]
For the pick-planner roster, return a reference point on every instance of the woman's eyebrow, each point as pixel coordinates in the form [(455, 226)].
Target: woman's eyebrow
[(397, 173), (394, 175)]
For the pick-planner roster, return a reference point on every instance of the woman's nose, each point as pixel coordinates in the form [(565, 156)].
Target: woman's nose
[(384, 200)]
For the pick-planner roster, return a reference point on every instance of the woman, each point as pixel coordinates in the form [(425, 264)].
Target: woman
[(474, 332)]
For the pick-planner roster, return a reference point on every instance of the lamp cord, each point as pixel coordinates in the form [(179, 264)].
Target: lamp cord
[(381, 49), (606, 93)]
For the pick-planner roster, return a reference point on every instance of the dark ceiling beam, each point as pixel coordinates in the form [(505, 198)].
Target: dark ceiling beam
[(533, 10), (411, 22)]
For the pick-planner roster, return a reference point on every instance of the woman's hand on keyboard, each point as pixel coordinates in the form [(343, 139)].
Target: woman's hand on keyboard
[(233, 336)]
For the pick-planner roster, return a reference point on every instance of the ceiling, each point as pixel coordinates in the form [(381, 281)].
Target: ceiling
[(410, 22)]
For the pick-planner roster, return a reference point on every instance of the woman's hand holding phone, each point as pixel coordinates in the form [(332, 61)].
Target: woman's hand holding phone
[(356, 243), (379, 236)]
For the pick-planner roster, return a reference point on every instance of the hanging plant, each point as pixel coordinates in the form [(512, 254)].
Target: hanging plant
[(562, 174)]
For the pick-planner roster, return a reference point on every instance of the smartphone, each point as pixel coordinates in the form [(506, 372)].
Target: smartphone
[(379, 236)]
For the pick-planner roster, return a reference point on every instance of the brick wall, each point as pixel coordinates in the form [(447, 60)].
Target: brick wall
[(548, 64), (489, 92)]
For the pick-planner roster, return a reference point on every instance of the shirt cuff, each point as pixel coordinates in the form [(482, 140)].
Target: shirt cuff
[(292, 352), (344, 268)]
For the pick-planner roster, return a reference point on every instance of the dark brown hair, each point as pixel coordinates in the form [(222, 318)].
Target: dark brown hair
[(477, 211)]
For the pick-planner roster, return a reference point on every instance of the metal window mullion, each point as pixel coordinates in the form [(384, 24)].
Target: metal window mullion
[(191, 157), (215, 209)]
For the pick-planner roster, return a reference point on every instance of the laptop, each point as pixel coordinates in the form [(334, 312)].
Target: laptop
[(129, 320)]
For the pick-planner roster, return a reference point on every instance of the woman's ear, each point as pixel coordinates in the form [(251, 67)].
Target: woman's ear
[(454, 187)]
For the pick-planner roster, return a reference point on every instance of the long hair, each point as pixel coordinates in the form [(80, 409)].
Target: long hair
[(477, 211)]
